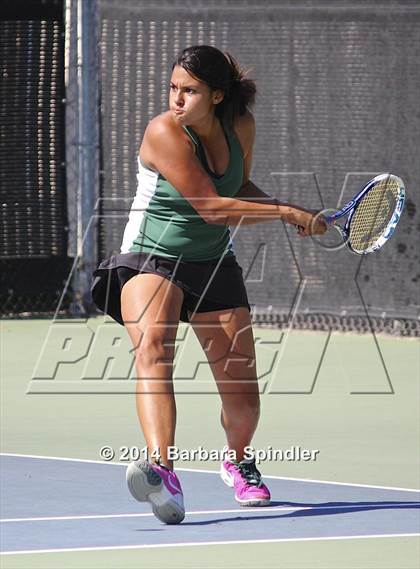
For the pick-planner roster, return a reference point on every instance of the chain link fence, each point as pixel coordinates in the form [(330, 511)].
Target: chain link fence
[(337, 103), (33, 253)]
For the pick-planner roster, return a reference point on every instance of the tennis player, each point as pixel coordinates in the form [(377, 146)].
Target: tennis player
[(177, 262)]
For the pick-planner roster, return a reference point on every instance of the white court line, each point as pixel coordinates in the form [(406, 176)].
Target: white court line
[(195, 543), (274, 477), (151, 514), (265, 509)]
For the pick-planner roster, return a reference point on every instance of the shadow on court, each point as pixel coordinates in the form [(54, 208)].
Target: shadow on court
[(326, 509)]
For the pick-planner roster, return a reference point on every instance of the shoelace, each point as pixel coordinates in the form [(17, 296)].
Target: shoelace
[(250, 472)]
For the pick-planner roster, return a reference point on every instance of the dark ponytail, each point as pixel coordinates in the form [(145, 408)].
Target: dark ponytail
[(220, 71)]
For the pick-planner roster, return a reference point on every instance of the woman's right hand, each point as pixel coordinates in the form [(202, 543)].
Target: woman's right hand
[(311, 223)]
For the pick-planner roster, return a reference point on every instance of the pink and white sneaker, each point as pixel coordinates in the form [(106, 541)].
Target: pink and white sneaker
[(158, 485), (246, 479)]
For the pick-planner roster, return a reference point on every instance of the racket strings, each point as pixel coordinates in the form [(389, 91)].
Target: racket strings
[(373, 213)]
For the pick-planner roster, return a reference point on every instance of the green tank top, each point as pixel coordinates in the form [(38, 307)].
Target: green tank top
[(163, 222)]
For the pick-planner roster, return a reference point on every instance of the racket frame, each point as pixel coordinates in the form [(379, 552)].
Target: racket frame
[(351, 207)]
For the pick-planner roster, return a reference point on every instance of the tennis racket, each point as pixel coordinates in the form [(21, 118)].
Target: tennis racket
[(372, 214)]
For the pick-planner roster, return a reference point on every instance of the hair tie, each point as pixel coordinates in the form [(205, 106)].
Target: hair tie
[(236, 78)]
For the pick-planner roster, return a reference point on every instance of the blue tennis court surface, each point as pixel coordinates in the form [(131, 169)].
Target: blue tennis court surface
[(50, 504)]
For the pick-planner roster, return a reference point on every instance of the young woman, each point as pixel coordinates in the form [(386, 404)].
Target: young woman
[(177, 263)]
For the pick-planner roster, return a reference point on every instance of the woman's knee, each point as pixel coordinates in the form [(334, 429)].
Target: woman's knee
[(155, 350)]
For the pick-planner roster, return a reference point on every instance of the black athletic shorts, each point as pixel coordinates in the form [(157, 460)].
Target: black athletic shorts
[(207, 285)]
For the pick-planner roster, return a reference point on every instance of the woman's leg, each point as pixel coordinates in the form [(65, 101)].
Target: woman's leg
[(227, 338), (150, 307)]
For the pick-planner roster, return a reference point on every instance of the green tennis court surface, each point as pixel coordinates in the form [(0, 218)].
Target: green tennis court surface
[(340, 404)]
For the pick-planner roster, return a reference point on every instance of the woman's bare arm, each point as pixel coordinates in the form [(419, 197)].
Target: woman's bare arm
[(173, 156)]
